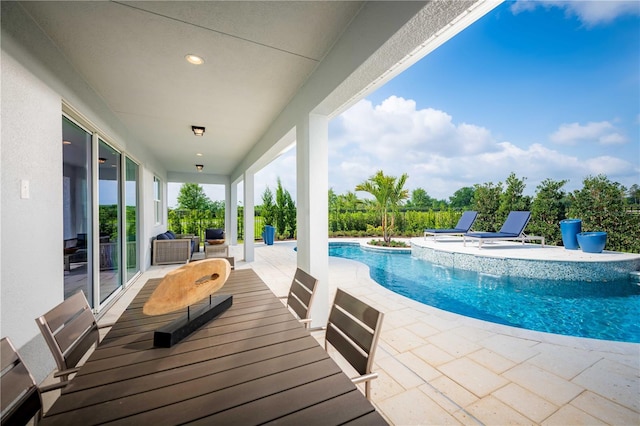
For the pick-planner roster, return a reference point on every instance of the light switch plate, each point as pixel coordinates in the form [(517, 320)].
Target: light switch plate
[(24, 189)]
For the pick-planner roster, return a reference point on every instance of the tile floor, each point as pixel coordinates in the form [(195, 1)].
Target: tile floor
[(440, 368)]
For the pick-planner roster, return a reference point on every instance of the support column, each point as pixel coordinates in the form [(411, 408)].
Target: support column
[(227, 211), (232, 217), (312, 164), (248, 217)]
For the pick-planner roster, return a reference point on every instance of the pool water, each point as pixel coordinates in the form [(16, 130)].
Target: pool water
[(607, 311)]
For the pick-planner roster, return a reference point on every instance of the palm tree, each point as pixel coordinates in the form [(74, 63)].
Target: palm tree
[(388, 192)]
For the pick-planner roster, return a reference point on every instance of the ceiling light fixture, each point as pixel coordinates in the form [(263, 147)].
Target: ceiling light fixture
[(199, 167), (199, 154), (102, 160), (197, 130), (65, 142), (194, 59)]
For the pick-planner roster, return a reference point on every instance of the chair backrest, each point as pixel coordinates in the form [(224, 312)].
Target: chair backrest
[(303, 288), (214, 234), (70, 330), (516, 222), (466, 220), (19, 396), (353, 329)]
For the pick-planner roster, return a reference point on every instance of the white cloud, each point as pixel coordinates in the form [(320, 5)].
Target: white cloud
[(602, 132), (441, 156), (590, 13)]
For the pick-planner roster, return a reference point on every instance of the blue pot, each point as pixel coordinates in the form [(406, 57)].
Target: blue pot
[(570, 228), (269, 234), (592, 242)]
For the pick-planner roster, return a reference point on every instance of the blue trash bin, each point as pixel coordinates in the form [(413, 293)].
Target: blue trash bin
[(570, 228), (268, 234)]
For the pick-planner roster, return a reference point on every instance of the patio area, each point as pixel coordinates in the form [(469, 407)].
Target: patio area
[(440, 368)]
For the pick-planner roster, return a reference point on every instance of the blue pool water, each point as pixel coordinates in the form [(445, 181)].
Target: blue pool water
[(608, 311)]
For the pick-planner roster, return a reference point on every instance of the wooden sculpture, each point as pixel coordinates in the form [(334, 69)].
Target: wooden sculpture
[(182, 288), (187, 285)]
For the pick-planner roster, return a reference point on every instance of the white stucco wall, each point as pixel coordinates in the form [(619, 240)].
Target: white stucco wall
[(31, 277)]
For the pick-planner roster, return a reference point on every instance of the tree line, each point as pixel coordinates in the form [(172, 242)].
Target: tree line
[(602, 205)]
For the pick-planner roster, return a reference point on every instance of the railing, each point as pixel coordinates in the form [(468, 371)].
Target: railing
[(185, 222)]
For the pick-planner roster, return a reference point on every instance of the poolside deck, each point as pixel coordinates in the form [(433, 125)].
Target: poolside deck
[(441, 368)]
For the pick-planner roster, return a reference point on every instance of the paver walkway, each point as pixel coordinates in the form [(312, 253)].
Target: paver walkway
[(441, 368)]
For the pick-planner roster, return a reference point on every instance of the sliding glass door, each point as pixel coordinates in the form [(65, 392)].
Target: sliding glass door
[(109, 219), (100, 214), (131, 218), (77, 201)]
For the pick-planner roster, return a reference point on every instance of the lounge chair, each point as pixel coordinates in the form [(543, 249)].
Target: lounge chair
[(512, 230), (462, 227)]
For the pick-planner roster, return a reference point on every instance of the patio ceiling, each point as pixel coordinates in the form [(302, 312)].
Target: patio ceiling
[(257, 55)]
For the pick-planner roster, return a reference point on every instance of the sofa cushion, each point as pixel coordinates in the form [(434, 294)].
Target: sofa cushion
[(163, 236), (214, 234), (171, 235)]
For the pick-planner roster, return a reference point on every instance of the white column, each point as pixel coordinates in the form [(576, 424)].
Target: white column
[(232, 209), (227, 212), (312, 135), (248, 217)]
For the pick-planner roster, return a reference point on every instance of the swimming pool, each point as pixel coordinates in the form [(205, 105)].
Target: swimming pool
[(607, 311)]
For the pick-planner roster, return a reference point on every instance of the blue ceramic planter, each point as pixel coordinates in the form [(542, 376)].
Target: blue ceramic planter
[(592, 242), (570, 228)]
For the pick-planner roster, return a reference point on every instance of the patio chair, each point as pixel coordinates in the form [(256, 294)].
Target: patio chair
[(70, 330), (512, 230), (167, 248), (21, 397), (353, 330), (462, 227), (301, 293), (215, 245)]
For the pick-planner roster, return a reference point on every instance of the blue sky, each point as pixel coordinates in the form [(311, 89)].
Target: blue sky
[(545, 89)]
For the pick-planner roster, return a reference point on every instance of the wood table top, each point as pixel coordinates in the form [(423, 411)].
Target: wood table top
[(253, 364)]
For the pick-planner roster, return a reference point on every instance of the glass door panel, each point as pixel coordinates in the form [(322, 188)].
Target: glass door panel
[(77, 240), (109, 204), (131, 218)]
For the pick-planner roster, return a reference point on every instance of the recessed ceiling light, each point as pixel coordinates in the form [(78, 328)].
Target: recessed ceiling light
[(66, 142), (199, 167), (194, 59), (199, 154), (197, 130)]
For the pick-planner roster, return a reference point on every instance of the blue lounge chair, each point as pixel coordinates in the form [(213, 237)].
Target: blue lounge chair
[(462, 227), (512, 230)]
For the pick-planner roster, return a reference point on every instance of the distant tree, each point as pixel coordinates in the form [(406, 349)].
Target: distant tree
[(192, 197), (350, 202), (388, 192), (268, 208), (281, 203), (486, 201), (548, 209), (420, 200), (512, 199), (290, 213), (462, 199), (634, 194)]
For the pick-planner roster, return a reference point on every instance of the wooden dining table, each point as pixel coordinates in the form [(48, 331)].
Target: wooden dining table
[(253, 364)]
